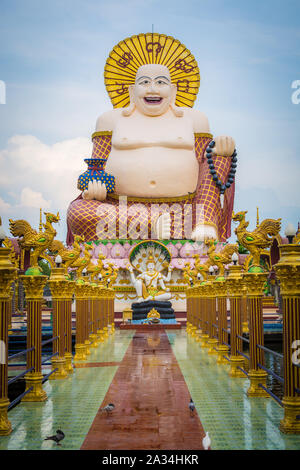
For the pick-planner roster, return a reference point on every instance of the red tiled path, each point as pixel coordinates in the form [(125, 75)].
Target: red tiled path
[(151, 402)]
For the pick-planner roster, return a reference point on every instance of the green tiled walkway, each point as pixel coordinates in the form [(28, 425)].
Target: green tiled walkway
[(72, 403), (232, 419)]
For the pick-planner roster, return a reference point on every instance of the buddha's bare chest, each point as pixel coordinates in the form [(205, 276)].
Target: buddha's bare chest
[(176, 132)]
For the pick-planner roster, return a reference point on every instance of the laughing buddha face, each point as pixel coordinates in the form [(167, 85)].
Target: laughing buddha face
[(153, 93)]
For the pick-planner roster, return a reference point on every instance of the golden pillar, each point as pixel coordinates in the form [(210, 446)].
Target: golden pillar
[(105, 313), (111, 310), (59, 287), (197, 314), (86, 322), (7, 276), (69, 291), (245, 325), (93, 315), (100, 323), (205, 314), (34, 287), (221, 293), (80, 346), (212, 316), (188, 293), (255, 281), (234, 284), (288, 273)]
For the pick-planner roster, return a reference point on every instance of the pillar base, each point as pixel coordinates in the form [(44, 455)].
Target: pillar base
[(60, 365), (222, 351), (257, 377), (245, 327), (235, 362), (204, 341), (290, 424), (87, 347), (100, 334), (37, 394), (212, 344), (94, 340), (69, 366), (106, 332), (5, 425), (80, 353), (112, 328)]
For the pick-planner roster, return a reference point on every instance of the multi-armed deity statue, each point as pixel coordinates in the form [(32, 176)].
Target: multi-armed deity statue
[(155, 171)]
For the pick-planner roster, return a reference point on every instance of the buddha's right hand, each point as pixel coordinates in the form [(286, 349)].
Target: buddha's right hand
[(96, 190)]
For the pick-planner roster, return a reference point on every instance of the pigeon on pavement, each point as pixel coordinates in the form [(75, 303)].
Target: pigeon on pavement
[(206, 442), (108, 408), (59, 436)]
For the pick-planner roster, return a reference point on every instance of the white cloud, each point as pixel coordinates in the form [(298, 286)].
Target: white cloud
[(30, 198), (34, 175), (4, 206)]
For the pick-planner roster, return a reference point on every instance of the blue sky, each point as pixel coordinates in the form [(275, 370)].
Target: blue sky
[(52, 57)]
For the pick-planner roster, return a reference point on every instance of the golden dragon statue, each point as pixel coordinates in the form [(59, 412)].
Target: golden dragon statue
[(30, 239), (95, 269), (221, 258), (68, 255), (258, 240), (109, 275), (82, 261)]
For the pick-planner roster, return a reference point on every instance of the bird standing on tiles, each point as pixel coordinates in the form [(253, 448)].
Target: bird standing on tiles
[(206, 442), (192, 406), (108, 408), (59, 436)]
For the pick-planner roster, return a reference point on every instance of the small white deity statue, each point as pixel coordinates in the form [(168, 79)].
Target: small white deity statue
[(150, 285)]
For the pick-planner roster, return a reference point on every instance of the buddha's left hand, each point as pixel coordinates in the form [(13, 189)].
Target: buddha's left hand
[(96, 190), (224, 146)]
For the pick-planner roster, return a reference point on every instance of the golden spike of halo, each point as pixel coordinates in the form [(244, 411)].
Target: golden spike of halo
[(151, 48)]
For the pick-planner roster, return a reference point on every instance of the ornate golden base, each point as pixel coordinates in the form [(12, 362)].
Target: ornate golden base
[(257, 377), (235, 363), (94, 340), (87, 345), (290, 424), (245, 327), (112, 328), (212, 344), (100, 334), (69, 366), (60, 365), (37, 394), (106, 332), (80, 353), (204, 341), (5, 425), (222, 351)]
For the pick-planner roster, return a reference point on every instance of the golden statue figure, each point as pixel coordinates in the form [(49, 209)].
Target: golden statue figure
[(68, 256), (221, 258), (150, 258), (262, 237), (31, 239)]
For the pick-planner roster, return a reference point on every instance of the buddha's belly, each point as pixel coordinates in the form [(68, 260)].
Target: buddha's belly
[(153, 172)]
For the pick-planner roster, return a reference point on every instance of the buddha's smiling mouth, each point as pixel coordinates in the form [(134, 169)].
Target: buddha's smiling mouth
[(153, 99)]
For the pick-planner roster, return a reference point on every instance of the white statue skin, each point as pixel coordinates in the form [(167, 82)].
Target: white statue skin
[(152, 152), (146, 277)]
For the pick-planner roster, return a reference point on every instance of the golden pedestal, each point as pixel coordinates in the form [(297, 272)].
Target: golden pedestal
[(34, 287), (257, 377), (60, 365), (5, 425), (37, 393), (291, 423)]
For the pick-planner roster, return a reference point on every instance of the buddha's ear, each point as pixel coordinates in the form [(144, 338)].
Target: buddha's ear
[(129, 110), (178, 112), (173, 93)]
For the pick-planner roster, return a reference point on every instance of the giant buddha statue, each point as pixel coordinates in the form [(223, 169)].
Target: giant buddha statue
[(155, 171)]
